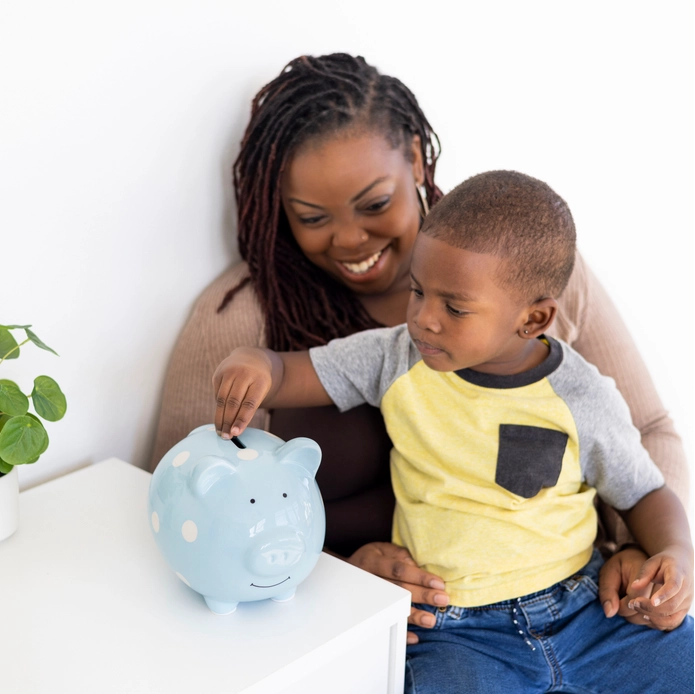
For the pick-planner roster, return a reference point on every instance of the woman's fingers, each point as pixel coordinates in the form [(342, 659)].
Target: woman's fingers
[(411, 638), (421, 618), (610, 584), (616, 575), (396, 565)]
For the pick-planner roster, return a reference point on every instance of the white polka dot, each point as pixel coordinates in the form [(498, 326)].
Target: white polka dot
[(189, 530), (247, 454), (155, 521), (181, 458), (183, 579)]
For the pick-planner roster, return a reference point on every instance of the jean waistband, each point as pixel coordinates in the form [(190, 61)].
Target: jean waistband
[(590, 570)]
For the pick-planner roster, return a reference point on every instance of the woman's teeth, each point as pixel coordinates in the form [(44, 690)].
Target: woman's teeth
[(361, 268)]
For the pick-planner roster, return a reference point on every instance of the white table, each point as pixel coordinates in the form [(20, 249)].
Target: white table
[(87, 604)]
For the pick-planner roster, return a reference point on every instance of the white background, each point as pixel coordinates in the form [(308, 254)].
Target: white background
[(120, 120)]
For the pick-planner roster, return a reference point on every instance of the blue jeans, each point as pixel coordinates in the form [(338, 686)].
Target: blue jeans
[(556, 640)]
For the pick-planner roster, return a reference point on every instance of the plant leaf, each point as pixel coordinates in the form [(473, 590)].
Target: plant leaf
[(15, 327), (7, 344), (21, 439), (43, 450), (35, 339), (12, 400), (4, 467), (49, 400)]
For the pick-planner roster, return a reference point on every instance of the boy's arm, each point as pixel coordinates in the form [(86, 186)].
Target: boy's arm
[(250, 378), (659, 523)]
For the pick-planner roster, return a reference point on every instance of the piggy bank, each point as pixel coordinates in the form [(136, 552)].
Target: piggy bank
[(238, 520)]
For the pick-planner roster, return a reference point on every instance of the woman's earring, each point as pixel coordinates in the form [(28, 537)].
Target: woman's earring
[(422, 198)]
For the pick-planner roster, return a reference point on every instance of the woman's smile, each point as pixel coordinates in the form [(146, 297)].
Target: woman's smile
[(364, 270)]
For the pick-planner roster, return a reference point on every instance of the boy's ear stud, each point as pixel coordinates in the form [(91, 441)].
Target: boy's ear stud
[(525, 332)]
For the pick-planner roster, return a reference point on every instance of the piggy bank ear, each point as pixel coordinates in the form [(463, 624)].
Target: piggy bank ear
[(301, 451), (204, 427), (208, 471)]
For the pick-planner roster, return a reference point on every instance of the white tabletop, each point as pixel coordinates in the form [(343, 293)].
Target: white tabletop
[(87, 603)]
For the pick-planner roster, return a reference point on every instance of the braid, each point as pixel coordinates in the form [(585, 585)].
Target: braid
[(312, 96)]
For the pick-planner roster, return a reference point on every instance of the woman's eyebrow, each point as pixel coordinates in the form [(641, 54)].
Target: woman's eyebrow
[(381, 179), (301, 202)]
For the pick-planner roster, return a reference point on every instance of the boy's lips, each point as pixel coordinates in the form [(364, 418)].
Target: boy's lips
[(426, 349)]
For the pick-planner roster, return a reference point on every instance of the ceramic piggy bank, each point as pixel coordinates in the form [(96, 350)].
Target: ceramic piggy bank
[(238, 520)]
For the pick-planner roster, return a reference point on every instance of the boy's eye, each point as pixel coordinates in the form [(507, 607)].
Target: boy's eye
[(456, 311), (378, 205)]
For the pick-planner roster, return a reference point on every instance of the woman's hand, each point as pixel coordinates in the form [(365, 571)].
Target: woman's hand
[(395, 564), (619, 594), (241, 382)]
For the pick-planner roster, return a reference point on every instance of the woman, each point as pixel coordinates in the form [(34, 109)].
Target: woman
[(335, 173)]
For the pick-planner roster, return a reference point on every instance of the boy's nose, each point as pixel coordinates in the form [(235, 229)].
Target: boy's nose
[(425, 319)]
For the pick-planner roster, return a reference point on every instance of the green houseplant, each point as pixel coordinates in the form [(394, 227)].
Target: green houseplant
[(23, 438)]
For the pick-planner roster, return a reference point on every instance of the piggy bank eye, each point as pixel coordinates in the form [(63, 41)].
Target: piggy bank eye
[(284, 496), (253, 501)]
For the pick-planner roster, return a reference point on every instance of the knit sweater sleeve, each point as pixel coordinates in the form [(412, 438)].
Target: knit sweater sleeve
[(592, 325), (207, 338)]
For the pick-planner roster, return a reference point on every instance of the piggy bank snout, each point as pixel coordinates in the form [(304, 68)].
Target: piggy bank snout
[(276, 553)]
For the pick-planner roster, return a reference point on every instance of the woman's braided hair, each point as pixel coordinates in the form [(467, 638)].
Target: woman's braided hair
[(313, 96)]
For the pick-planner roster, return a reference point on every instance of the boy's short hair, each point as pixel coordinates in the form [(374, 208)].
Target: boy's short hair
[(517, 218)]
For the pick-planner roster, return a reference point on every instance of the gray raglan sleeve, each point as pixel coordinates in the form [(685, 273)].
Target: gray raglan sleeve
[(612, 457), (360, 368)]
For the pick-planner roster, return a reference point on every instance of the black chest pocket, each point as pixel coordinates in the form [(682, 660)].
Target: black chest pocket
[(529, 458)]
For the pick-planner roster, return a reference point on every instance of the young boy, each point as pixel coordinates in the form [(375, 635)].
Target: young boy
[(502, 437)]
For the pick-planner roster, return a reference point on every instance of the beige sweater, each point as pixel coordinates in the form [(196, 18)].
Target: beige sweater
[(587, 320)]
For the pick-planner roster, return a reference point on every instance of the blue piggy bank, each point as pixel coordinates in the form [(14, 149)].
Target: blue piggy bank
[(238, 520)]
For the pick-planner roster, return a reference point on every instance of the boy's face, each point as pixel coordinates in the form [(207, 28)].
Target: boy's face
[(458, 316)]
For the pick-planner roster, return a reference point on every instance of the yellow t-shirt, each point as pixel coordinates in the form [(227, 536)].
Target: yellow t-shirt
[(494, 476)]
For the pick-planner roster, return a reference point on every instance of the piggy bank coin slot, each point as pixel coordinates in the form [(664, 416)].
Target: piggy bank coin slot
[(237, 442)]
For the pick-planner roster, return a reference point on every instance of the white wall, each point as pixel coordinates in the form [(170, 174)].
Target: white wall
[(119, 122)]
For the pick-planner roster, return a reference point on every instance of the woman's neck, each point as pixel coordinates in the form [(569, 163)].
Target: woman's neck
[(389, 309)]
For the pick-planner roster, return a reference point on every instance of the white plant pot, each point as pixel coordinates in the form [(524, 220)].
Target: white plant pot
[(9, 503)]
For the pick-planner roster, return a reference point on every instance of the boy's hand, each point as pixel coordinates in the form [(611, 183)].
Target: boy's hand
[(672, 571), (241, 383), (619, 594), (659, 523)]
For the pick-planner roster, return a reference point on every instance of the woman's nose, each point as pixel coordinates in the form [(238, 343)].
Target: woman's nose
[(349, 236)]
